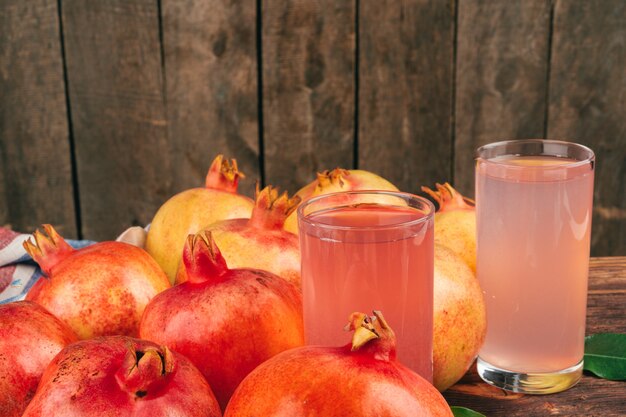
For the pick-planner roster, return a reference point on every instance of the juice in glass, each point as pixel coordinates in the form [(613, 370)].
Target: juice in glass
[(534, 209), (368, 256)]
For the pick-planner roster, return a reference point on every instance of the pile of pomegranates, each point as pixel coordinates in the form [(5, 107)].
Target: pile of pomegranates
[(228, 335)]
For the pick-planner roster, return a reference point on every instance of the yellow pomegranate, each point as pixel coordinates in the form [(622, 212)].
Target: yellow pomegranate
[(459, 320), (455, 222), (189, 211), (335, 181)]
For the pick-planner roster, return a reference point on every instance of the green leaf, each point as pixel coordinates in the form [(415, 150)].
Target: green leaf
[(465, 412), (605, 355)]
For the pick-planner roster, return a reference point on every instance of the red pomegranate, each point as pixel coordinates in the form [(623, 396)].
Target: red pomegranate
[(260, 242), (226, 321), (119, 376), (188, 211), (363, 379), (29, 338), (99, 290), (339, 180)]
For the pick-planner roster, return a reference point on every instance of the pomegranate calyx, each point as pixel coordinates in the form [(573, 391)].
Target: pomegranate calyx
[(223, 175), (48, 249), (372, 333), (271, 209), (145, 372), (335, 177), (448, 198), (203, 259)]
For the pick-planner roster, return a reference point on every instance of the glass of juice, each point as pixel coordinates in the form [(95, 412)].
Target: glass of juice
[(365, 251), (533, 213)]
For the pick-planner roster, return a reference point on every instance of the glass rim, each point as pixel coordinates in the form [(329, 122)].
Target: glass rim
[(400, 194), (588, 160)]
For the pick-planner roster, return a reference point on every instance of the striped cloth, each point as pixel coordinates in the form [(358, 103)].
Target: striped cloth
[(18, 272)]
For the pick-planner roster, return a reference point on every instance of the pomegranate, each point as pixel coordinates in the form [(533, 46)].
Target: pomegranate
[(29, 338), (226, 321), (459, 318), (260, 242), (98, 290), (335, 181), (187, 212), (455, 222), (121, 376), (360, 379)]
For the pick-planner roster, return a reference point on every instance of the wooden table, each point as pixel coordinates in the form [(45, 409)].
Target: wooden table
[(606, 312)]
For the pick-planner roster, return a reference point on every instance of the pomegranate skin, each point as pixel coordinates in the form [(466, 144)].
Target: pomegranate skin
[(190, 210), (98, 290), (336, 382), (121, 376), (459, 319), (226, 321), (339, 180), (276, 251), (259, 242), (30, 337), (455, 222)]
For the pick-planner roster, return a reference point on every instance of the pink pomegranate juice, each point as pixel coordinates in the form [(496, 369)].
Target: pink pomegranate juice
[(534, 223), (370, 257)]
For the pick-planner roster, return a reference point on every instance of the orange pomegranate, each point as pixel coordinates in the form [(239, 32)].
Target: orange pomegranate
[(98, 290), (361, 379)]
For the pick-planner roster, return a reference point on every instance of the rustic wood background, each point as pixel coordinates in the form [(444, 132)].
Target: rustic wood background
[(109, 107)]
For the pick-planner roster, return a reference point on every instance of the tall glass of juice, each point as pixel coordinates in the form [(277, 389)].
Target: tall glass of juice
[(534, 208), (364, 251)]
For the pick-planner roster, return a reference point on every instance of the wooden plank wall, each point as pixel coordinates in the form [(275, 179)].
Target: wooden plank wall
[(109, 107)]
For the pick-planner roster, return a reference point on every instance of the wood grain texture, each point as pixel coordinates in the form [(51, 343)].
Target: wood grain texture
[(212, 95), (405, 90), (501, 77), (118, 113), (588, 104), (591, 396), (308, 88), (35, 163), (606, 303)]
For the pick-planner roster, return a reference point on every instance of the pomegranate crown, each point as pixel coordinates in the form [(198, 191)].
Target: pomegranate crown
[(48, 249), (271, 209), (223, 175), (334, 177), (145, 372), (372, 333), (202, 258), (448, 198)]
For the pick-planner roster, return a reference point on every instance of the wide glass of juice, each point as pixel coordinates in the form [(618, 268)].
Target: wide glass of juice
[(365, 251), (534, 208)]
